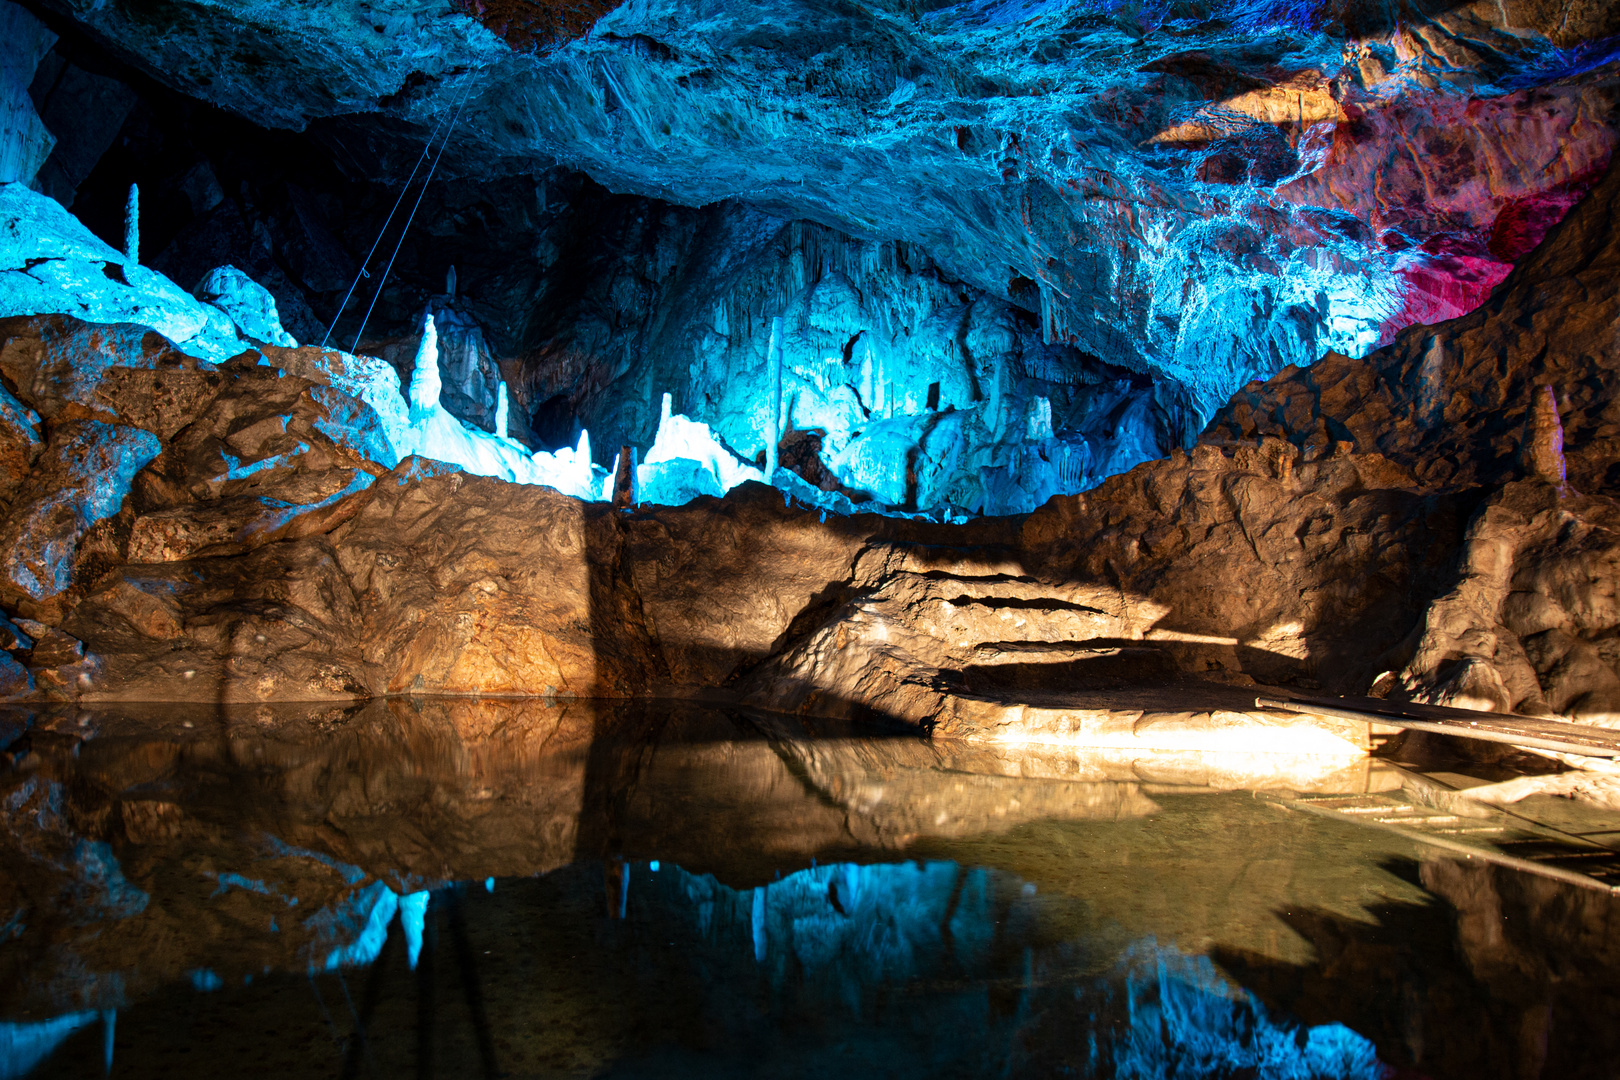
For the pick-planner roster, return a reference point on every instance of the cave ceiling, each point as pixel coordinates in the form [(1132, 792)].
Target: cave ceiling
[(1205, 191)]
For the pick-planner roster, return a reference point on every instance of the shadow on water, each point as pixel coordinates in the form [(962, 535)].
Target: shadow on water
[(1497, 974), (521, 888)]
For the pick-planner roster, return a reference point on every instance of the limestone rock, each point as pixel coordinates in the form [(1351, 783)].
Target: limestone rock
[(48, 258), (15, 681), (1453, 403), (19, 442), (81, 477), (1543, 451), (1471, 684), (13, 637), (56, 363), (249, 305)]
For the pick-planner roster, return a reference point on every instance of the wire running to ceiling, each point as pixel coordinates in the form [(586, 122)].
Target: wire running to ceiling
[(414, 207), (361, 273)]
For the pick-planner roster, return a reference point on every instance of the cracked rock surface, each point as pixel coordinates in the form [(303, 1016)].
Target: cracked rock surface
[(1206, 191)]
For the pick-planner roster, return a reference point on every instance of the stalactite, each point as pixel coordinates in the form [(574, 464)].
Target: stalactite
[(132, 226), (773, 434)]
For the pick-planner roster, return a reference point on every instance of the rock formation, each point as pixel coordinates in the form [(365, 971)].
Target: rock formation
[(1105, 159), (221, 515), (242, 532), (1128, 211)]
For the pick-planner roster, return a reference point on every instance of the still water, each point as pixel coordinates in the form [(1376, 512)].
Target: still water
[(471, 889)]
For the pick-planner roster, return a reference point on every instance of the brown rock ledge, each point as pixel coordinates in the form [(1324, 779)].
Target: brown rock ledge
[(1393, 522)]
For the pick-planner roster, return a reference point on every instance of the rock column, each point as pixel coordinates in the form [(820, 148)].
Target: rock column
[(1542, 455)]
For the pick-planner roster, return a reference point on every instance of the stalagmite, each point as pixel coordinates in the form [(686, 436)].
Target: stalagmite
[(624, 478), (1542, 455), (583, 478), (425, 384), (132, 226), (502, 410)]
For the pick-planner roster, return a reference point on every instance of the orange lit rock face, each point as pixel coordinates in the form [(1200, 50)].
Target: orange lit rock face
[(1406, 515), (527, 25)]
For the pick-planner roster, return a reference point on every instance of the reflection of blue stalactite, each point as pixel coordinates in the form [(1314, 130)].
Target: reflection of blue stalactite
[(279, 848), (921, 969), (757, 925), (23, 1046), (100, 890), (204, 980), (413, 921), (844, 938), (230, 880), (109, 1032), (370, 911), (1185, 1020)]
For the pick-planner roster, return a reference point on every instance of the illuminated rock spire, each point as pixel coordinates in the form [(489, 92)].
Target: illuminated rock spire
[(425, 384), (132, 226)]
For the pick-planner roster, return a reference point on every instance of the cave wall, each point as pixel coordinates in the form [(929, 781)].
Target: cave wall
[(904, 386), (1016, 248), (900, 384), (1209, 191)]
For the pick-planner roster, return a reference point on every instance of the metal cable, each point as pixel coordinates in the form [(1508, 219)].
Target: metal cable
[(414, 207), (380, 232)]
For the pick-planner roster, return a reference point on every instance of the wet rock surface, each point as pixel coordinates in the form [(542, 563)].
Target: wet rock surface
[(269, 547)]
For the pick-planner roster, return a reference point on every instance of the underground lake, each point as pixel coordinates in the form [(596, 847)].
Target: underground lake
[(498, 888), (810, 538)]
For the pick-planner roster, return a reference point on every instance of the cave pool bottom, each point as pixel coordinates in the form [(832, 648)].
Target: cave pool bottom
[(466, 889)]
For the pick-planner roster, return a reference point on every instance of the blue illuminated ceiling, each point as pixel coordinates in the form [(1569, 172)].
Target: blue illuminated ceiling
[(1203, 190), (1023, 204)]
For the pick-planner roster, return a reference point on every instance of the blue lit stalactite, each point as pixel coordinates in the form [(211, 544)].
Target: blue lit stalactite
[(773, 370), (132, 226), (758, 923)]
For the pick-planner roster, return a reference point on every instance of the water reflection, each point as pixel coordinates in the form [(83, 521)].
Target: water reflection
[(488, 888)]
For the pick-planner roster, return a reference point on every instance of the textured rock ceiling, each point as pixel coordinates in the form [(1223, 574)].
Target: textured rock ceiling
[(1204, 191)]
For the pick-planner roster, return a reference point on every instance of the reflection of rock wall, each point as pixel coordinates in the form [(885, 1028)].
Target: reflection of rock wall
[(1512, 975), (173, 836), (204, 846)]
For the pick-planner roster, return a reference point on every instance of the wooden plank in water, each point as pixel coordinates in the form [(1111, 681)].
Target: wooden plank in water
[(1538, 732), (1485, 833)]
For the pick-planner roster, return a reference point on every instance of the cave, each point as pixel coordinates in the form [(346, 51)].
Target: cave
[(875, 537)]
